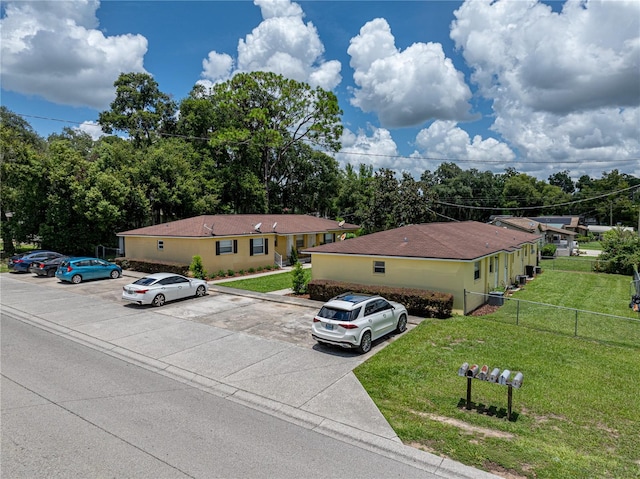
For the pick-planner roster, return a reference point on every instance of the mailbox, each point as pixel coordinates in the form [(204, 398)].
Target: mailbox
[(472, 371), (463, 369), (504, 377), (517, 380), (482, 375), (495, 374)]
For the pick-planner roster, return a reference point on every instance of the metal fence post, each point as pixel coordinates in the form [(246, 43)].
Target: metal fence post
[(575, 332), (517, 312)]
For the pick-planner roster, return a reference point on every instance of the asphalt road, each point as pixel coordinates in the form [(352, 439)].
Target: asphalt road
[(72, 411)]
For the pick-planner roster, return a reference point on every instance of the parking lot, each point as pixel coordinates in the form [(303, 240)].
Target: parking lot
[(264, 315)]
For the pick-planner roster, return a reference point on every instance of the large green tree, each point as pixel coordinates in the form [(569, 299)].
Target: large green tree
[(22, 170), (140, 109), (260, 116)]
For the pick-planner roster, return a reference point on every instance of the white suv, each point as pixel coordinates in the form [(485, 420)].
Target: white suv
[(353, 320)]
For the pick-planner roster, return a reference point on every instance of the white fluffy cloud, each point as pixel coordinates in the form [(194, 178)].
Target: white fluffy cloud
[(445, 140), (378, 150), (565, 86), (53, 50), (405, 88), (92, 129), (283, 43)]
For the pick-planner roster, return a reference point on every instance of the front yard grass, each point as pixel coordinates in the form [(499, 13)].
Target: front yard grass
[(576, 415), (267, 283)]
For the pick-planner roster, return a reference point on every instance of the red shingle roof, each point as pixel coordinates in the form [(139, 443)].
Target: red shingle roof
[(466, 240), (234, 225)]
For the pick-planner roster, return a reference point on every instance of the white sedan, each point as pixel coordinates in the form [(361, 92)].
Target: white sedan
[(159, 288)]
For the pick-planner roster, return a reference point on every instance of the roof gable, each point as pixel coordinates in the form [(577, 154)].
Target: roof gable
[(462, 240), (237, 225)]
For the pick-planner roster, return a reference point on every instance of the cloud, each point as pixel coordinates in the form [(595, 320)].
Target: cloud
[(53, 50), (282, 43), (92, 129), (445, 140), (378, 149), (405, 88), (565, 86)]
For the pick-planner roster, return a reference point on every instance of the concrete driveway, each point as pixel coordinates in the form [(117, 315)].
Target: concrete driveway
[(270, 316), (252, 348)]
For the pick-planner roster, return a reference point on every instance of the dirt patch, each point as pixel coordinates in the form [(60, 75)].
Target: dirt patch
[(484, 310), (467, 428), (301, 296)]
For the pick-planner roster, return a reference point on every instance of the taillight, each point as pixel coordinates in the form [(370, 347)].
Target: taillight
[(69, 269), (17, 261), (348, 326), (316, 320)]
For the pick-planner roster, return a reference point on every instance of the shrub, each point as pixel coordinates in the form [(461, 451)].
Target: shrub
[(260, 268), (151, 267), (548, 250), (419, 302), (196, 268), (220, 273), (231, 272), (293, 257), (268, 267), (299, 283), (241, 272)]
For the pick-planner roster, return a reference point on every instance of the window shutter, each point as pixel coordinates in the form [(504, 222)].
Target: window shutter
[(334, 237), (235, 246), (266, 246), (217, 248), (251, 247)]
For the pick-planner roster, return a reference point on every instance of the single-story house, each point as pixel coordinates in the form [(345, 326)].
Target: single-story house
[(452, 257), (549, 233), (598, 231), (231, 242), (567, 223)]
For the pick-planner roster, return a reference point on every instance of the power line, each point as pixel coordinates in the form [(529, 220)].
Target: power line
[(604, 195), (382, 155)]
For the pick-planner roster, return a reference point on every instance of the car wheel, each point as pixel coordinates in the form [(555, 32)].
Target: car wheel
[(76, 278), (51, 273), (115, 274), (402, 324), (200, 291), (158, 300), (365, 343)]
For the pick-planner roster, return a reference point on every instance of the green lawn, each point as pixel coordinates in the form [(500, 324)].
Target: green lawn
[(591, 245), (267, 283), (570, 263), (575, 416), (580, 295)]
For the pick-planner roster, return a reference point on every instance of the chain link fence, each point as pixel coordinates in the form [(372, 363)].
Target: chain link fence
[(621, 330), (585, 265)]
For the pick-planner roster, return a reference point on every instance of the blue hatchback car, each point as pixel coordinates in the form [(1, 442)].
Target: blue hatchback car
[(76, 270)]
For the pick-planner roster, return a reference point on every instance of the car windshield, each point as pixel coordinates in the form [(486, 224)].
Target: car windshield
[(336, 314), (145, 281)]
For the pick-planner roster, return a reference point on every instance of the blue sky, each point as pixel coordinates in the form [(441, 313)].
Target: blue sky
[(541, 87)]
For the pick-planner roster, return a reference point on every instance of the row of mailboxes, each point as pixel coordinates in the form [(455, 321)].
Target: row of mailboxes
[(482, 373)]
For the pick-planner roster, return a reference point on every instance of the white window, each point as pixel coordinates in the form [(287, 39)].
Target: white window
[(476, 270), (328, 237), (379, 267), (226, 246), (300, 241), (160, 245), (258, 246)]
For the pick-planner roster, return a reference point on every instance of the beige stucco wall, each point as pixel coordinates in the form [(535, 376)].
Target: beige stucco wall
[(435, 275), (182, 250)]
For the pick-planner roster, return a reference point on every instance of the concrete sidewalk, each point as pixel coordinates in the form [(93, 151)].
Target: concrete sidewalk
[(312, 388)]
